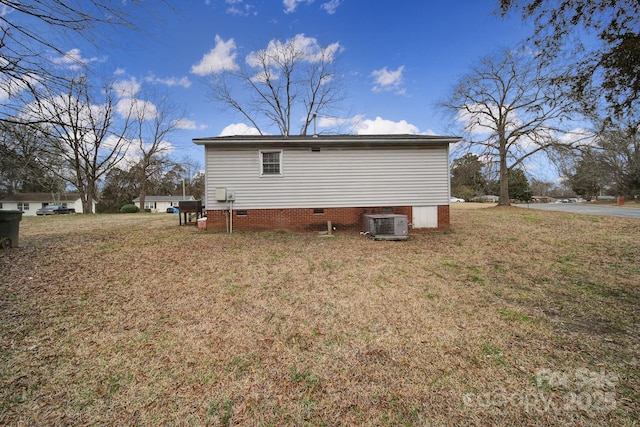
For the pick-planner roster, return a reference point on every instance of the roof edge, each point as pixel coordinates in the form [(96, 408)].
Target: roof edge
[(381, 139)]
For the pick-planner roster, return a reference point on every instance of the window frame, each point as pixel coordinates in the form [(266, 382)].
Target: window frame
[(280, 163), (23, 206)]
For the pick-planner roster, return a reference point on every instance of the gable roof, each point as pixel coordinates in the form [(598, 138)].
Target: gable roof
[(41, 197), (325, 140)]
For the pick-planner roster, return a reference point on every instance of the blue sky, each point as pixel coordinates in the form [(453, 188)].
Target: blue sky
[(398, 58)]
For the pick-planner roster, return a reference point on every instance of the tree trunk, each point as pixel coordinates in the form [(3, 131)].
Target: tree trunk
[(504, 179), (87, 198), (143, 195)]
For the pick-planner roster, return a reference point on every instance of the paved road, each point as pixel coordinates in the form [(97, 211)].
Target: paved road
[(586, 208)]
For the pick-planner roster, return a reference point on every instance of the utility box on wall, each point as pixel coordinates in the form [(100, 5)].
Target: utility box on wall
[(221, 194)]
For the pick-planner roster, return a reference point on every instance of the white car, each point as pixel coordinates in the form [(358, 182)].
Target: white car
[(456, 200)]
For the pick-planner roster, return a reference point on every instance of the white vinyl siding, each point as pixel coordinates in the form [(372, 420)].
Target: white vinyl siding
[(331, 177)]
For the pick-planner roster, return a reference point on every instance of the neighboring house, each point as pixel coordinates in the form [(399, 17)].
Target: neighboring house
[(489, 198), (29, 203), (299, 183), (160, 203)]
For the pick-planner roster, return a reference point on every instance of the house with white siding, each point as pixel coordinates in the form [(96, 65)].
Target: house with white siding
[(29, 203), (300, 183), (161, 203)]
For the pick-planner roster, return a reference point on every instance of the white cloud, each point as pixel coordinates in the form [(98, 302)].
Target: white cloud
[(331, 6), (387, 81), (126, 88), (135, 152), (73, 60), (578, 137), (477, 119), (119, 72), (131, 106), (11, 87), (239, 129), (164, 147), (169, 81), (188, 124), (337, 122), (361, 126), (239, 8), (111, 142), (380, 126), (308, 46), (221, 58), (291, 5), (124, 106)]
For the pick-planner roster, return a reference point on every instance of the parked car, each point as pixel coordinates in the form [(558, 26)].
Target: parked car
[(456, 200), (55, 210), (173, 209)]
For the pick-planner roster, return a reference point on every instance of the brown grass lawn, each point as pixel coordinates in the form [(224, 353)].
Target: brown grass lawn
[(515, 317)]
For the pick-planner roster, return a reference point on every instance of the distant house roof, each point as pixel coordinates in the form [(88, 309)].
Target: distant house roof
[(41, 197), (164, 198), (326, 140)]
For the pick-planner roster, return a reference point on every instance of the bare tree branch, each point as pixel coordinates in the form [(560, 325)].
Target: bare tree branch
[(32, 30)]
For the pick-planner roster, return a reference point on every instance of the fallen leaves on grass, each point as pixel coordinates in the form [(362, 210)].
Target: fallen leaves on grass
[(133, 319)]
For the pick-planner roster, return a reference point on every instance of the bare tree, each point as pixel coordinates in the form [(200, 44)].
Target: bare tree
[(153, 123), (511, 110), (32, 36), (617, 152), (24, 165), (82, 131), (284, 84)]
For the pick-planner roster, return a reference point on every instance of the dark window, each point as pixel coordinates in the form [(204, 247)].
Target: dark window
[(241, 213), (318, 211)]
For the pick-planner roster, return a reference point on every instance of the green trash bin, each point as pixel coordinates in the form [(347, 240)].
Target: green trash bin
[(9, 227)]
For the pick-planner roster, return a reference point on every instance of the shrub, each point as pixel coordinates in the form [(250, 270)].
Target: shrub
[(129, 209)]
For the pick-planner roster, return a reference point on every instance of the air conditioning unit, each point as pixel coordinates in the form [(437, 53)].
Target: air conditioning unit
[(386, 226)]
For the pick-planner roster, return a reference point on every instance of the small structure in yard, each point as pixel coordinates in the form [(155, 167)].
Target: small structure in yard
[(301, 183), (9, 228), (189, 210)]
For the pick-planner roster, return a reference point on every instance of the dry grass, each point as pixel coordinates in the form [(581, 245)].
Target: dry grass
[(515, 317)]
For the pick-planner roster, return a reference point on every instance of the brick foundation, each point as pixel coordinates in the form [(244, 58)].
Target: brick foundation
[(309, 220), (444, 222)]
